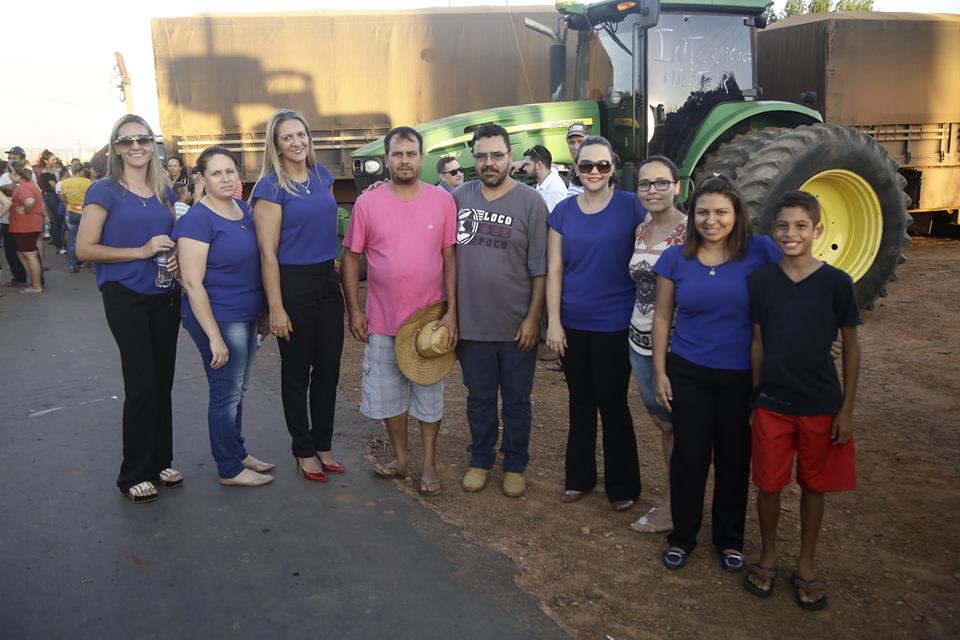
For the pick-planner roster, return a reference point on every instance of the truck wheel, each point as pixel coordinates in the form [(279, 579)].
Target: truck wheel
[(861, 194)]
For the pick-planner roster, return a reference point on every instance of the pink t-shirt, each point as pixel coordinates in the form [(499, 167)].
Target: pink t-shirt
[(404, 242)]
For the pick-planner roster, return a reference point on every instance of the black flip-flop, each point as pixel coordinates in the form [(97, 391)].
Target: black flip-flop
[(809, 586), (763, 573)]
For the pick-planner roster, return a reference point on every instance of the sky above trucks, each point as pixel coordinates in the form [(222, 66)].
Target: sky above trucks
[(59, 90)]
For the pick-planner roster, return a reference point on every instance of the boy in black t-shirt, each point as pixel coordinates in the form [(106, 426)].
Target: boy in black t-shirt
[(800, 410)]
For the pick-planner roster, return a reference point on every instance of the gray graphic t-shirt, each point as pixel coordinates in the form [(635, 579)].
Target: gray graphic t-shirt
[(501, 247)]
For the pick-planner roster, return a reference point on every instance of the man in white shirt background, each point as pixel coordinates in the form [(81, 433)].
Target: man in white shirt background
[(537, 161)]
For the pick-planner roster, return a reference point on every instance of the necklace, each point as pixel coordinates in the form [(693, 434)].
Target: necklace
[(713, 271), (306, 185), (138, 196)]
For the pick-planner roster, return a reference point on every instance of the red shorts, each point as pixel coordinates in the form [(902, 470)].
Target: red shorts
[(822, 466), (26, 242)]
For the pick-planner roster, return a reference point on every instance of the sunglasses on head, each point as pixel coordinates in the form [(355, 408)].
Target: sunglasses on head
[(126, 141), (602, 166), (454, 172)]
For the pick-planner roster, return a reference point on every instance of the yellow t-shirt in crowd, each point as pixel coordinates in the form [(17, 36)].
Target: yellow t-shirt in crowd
[(74, 190)]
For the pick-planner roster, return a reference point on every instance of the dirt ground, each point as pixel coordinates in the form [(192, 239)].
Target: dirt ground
[(890, 550)]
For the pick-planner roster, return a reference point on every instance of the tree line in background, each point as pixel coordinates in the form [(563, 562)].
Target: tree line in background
[(802, 7)]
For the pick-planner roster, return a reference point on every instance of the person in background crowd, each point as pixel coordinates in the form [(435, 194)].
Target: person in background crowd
[(705, 380), (127, 220), (73, 190), (590, 297), (665, 226), (450, 172), (502, 266), (26, 223), (220, 268), (176, 172), (538, 163), (407, 229), (296, 217), (48, 185), (195, 186), (18, 274), (182, 205), (576, 133)]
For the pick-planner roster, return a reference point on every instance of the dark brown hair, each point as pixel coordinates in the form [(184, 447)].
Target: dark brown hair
[(21, 169), (600, 141), (739, 239), (208, 153), (801, 200), (664, 160), (404, 133), (491, 130)]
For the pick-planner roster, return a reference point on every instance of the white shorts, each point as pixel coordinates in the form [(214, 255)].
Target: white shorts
[(388, 393)]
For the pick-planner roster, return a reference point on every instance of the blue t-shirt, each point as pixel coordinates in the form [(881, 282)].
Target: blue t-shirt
[(713, 327), (598, 292), (308, 232), (131, 222), (232, 279)]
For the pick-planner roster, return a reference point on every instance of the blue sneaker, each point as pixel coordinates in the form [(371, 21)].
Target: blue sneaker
[(731, 560), (674, 558)]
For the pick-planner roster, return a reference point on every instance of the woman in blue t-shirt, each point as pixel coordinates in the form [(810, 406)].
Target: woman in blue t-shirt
[(296, 217), (705, 380), (590, 296), (220, 268), (127, 219)]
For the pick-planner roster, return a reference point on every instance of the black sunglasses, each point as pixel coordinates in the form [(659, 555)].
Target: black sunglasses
[(602, 166), (454, 172), (126, 141)]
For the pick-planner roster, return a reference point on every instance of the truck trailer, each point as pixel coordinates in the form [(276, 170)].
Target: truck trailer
[(352, 75)]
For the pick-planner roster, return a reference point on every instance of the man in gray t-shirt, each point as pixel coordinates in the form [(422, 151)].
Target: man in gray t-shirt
[(501, 275)]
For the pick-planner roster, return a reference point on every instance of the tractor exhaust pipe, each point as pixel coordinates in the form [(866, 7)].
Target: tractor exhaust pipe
[(558, 58)]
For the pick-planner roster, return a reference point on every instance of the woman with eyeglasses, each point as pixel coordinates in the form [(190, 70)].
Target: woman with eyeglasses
[(127, 219), (296, 218), (590, 297), (657, 188)]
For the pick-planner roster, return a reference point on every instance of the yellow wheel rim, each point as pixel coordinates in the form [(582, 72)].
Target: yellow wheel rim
[(852, 221)]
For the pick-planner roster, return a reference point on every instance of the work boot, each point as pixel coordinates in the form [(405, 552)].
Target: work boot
[(514, 484), (475, 479)]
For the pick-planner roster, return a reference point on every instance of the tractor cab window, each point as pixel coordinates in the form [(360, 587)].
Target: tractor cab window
[(694, 62), (605, 61)]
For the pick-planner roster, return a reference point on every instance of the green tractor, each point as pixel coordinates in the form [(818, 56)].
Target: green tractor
[(678, 78)]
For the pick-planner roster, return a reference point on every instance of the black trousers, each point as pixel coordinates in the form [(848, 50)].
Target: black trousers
[(17, 271), (145, 328), (597, 368), (711, 411), (310, 361)]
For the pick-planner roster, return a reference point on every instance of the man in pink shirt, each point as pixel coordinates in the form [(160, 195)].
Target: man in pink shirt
[(407, 229)]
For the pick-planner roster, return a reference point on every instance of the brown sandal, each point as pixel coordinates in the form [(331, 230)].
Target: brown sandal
[(765, 575), (808, 588)]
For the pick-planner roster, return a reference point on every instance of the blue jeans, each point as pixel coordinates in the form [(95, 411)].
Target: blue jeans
[(643, 375), (228, 384), (489, 367), (72, 223)]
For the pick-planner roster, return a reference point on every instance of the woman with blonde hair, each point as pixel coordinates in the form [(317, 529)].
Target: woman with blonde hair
[(296, 218), (126, 222)]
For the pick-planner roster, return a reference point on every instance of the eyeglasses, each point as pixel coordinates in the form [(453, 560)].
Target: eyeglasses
[(659, 185), (126, 141), (496, 156), (587, 166), (454, 172)]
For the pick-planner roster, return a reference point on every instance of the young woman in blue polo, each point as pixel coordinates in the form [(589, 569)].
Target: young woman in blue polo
[(705, 380), (220, 270), (127, 220)]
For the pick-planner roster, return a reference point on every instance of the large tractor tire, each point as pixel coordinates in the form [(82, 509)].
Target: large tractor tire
[(861, 194)]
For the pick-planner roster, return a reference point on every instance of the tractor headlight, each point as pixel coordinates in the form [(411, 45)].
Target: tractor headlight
[(373, 166)]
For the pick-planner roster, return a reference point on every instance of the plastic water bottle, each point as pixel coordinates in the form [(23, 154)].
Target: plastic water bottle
[(164, 278)]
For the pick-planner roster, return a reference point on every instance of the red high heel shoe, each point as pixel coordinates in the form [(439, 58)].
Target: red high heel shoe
[(316, 476), (336, 467)]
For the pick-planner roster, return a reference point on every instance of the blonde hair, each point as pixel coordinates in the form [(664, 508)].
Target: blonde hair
[(156, 174), (271, 160)]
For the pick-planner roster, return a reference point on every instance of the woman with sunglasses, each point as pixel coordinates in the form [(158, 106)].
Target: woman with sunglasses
[(296, 218), (665, 226), (590, 297), (705, 379), (127, 219)]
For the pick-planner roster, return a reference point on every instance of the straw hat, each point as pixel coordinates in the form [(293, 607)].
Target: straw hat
[(422, 353)]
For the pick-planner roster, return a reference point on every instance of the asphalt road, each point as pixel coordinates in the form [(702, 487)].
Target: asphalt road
[(354, 558)]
